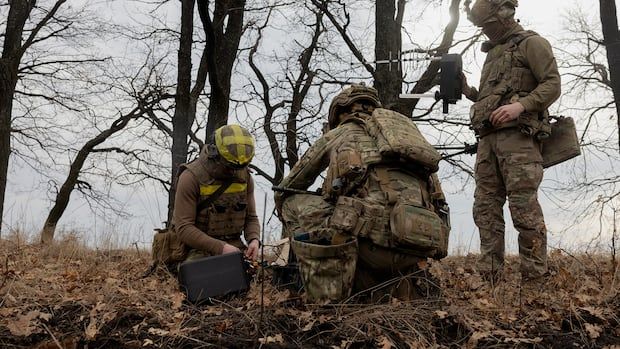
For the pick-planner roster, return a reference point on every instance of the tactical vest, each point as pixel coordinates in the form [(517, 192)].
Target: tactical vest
[(384, 192), (505, 78), (224, 218)]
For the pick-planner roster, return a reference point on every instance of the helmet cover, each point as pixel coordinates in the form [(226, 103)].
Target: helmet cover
[(487, 11), (235, 145), (348, 96)]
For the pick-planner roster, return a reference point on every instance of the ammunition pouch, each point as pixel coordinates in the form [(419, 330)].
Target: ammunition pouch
[(327, 271), (167, 248), (562, 144)]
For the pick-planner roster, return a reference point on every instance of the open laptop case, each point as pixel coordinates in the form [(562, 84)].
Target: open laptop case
[(215, 276)]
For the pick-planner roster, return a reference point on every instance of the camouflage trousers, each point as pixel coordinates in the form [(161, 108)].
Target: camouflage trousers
[(509, 164), (376, 265)]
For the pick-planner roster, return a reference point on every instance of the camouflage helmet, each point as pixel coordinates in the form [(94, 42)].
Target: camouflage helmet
[(486, 11), (348, 96), (235, 145)]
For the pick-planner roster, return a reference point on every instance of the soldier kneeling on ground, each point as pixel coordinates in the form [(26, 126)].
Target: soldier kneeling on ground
[(381, 212), (214, 203)]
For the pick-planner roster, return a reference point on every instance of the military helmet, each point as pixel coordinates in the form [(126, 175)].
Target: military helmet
[(235, 145), (486, 11), (355, 93)]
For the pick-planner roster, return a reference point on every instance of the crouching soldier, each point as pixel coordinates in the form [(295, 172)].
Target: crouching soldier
[(214, 202), (381, 209)]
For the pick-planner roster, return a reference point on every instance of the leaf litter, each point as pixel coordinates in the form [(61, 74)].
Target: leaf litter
[(75, 297)]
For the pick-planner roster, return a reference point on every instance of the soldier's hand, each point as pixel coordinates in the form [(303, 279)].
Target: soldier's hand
[(252, 251), (506, 113), (228, 248)]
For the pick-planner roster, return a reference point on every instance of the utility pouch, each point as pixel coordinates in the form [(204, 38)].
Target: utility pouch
[(327, 271), (167, 248), (346, 214), (417, 228), (532, 125), (562, 144)]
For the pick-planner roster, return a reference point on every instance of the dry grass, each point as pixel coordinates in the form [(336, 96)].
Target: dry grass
[(69, 296)]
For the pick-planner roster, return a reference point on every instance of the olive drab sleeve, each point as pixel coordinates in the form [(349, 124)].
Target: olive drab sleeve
[(251, 229), (539, 56), (184, 216)]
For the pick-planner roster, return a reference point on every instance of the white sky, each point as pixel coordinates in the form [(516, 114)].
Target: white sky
[(26, 208)]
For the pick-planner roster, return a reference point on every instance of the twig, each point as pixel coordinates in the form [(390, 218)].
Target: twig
[(52, 335)]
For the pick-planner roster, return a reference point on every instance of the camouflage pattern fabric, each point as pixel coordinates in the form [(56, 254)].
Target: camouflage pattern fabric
[(327, 271), (509, 164), (305, 213)]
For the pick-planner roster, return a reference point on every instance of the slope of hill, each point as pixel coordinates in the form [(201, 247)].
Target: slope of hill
[(69, 296)]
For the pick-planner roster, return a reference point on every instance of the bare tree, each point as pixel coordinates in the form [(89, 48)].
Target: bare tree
[(148, 99), (590, 189), (299, 80), (32, 28), (186, 95)]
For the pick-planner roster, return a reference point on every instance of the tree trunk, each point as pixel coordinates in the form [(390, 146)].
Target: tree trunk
[(8, 80), (611, 36), (9, 64), (388, 43), (223, 36), (183, 112)]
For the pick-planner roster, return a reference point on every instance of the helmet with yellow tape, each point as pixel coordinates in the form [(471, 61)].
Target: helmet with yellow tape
[(234, 146)]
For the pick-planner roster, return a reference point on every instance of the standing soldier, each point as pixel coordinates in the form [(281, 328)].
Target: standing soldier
[(214, 201), (379, 213), (520, 80)]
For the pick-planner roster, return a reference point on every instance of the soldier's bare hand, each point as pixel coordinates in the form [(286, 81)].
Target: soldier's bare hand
[(506, 113), (228, 248), (252, 251)]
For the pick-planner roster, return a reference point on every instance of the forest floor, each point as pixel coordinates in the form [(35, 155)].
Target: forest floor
[(70, 296)]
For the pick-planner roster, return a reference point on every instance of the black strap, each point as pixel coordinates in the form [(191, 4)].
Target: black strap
[(208, 201)]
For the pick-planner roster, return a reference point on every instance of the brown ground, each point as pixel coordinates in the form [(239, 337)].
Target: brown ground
[(69, 296)]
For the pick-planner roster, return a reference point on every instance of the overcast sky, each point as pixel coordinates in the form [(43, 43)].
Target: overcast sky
[(26, 208)]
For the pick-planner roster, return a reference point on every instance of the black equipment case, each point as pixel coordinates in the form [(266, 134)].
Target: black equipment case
[(215, 276)]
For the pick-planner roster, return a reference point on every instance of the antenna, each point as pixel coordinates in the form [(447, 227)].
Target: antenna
[(451, 81)]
